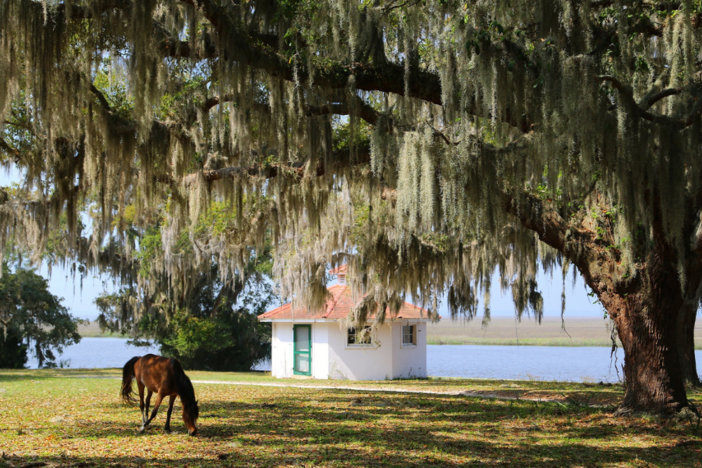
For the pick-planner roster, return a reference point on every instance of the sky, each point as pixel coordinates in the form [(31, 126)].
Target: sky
[(80, 300)]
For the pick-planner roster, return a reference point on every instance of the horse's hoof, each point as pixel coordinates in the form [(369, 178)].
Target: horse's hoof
[(167, 430), (142, 429)]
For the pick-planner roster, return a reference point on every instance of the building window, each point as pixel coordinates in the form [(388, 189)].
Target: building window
[(409, 335), (354, 337)]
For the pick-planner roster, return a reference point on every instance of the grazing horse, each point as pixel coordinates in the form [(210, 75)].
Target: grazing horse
[(164, 377)]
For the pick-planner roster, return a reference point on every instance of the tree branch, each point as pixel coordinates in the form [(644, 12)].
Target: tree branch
[(393, 5), (696, 111), (21, 125), (9, 149), (648, 103), (217, 100), (361, 108), (626, 93), (341, 158), (536, 215), (239, 46), (101, 98), (125, 126), (175, 48)]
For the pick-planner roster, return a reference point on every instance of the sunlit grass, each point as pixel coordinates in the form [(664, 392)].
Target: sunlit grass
[(64, 417)]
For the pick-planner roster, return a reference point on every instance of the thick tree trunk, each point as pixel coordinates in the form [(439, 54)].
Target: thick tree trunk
[(652, 371), (646, 308), (686, 343), (647, 313)]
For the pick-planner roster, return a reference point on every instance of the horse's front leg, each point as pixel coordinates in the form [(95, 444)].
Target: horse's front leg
[(171, 400), (145, 413)]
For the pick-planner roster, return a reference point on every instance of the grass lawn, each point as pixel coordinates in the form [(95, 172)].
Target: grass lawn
[(74, 418)]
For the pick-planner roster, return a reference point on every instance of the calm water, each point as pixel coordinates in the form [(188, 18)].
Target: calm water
[(577, 364), (98, 352)]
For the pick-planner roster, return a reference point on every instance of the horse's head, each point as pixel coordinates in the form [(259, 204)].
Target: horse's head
[(190, 415)]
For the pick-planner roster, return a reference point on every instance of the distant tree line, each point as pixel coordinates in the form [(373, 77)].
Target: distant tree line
[(32, 320)]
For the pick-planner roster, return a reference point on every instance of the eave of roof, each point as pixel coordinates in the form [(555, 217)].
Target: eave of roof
[(316, 320), (337, 307), (340, 270)]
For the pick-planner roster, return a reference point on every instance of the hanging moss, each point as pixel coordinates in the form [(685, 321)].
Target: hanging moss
[(474, 113)]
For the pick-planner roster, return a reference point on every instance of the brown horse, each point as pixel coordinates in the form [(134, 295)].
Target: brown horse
[(164, 377)]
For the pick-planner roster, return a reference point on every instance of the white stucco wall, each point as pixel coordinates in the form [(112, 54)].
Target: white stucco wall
[(359, 363), (320, 350), (332, 358), (281, 350), (409, 361)]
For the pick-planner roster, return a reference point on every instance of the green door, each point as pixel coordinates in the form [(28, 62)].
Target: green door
[(302, 334)]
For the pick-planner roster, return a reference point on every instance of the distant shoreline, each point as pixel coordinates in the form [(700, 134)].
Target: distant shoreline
[(531, 342), (500, 331), (504, 331), (92, 330)]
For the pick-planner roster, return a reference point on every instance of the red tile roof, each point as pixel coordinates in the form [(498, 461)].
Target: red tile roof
[(337, 307), (340, 270)]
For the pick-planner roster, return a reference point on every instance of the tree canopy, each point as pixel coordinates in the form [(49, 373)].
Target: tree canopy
[(31, 318), (425, 143), (203, 318)]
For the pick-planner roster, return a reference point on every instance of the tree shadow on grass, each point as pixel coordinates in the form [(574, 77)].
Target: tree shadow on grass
[(8, 376), (348, 428), (19, 375), (440, 453)]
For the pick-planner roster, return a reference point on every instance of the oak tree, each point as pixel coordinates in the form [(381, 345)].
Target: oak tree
[(427, 143)]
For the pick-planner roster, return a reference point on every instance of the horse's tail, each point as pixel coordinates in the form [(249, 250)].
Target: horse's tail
[(127, 378), (184, 385)]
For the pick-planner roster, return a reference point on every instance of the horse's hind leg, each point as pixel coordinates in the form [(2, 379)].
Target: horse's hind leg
[(148, 403), (141, 404), (171, 400)]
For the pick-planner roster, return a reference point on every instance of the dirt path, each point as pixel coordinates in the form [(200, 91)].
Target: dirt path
[(463, 393), (381, 390)]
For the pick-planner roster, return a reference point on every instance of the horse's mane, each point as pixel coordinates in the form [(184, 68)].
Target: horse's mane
[(184, 385)]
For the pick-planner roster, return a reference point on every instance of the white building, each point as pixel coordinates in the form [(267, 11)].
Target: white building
[(320, 345)]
